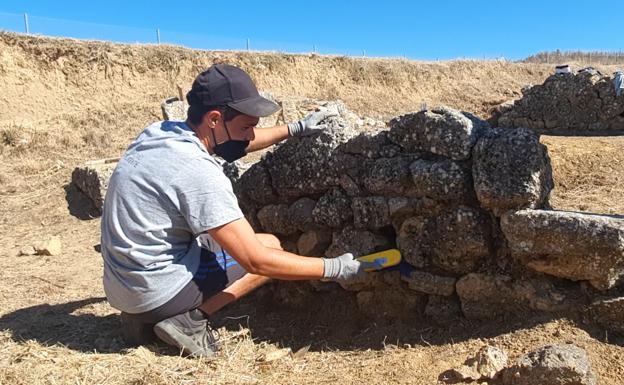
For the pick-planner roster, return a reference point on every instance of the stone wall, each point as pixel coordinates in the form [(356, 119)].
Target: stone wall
[(466, 204), (571, 103)]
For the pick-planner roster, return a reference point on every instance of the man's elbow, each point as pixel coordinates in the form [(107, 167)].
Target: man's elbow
[(257, 265)]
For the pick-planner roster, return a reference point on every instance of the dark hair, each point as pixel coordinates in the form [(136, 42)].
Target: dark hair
[(196, 112)]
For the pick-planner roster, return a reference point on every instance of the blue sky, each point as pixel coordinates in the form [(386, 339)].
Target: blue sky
[(418, 30)]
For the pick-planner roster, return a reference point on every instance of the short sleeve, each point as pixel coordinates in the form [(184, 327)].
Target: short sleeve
[(205, 196)]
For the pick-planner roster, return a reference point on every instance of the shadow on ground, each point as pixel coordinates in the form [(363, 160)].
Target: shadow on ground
[(327, 320), (79, 205), (63, 324)]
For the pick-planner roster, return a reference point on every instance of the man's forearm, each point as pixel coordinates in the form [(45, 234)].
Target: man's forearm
[(281, 264), (266, 137)]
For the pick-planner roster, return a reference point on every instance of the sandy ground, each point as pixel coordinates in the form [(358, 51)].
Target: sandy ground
[(65, 102)]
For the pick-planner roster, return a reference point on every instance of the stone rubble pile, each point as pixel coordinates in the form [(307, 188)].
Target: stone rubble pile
[(585, 102)]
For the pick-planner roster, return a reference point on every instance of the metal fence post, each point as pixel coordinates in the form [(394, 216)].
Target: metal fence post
[(26, 23), (158, 35), (247, 44)]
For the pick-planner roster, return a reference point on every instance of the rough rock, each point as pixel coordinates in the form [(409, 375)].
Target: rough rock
[(490, 361), (511, 170), (390, 176), (485, 365), (455, 240), (92, 179), (314, 242), (276, 219), (333, 209), (300, 166), (254, 187), (411, 240), (51, 246), (441, 131), (370, 213), (27, 250), (585, 102), (485, 296), (402, 208), (367, 144), (174, 109), (430, 283), (551, 365), (301, 214), (461, 241), (358, 242), (443, 180), (609, 313), (570, 245)]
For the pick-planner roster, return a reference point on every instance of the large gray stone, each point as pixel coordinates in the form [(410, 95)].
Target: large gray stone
[(254, 188), (370, 213), (443, 180), (570, 245), (551, 365), (301, 166), (333, 209), (390, 176), (461, 241), (609, 313), (441, 131), (455, 240), (511, 170), (486, 296), (366, 144)]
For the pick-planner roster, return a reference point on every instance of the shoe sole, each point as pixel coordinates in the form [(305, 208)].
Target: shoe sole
[(170, 335)]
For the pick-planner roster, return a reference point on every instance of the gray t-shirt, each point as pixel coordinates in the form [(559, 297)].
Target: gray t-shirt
[(165, 191)]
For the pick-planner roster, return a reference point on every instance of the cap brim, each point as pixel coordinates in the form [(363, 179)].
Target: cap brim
[(256, 106)]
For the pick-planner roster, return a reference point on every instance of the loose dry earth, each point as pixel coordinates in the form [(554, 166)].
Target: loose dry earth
[(65, 102)]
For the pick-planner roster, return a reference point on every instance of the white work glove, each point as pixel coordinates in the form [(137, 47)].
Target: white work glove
[(310, 125), (344, 268)]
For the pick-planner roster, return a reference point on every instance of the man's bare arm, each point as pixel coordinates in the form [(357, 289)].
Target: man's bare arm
[(266, 137), (240, 241)]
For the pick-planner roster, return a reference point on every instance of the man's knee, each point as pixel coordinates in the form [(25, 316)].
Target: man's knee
[(270, 240)]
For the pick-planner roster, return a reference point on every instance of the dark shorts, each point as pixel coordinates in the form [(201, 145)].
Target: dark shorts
[(215, 273)]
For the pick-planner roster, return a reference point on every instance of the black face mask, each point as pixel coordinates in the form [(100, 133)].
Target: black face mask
[(230, 150)]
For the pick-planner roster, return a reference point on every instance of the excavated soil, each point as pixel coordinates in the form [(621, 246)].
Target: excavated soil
[(63, 102)]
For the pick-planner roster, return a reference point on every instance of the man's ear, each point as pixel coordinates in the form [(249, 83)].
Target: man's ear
[(211, 118)]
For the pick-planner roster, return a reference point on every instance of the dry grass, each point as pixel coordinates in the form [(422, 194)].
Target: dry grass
[(75, 101)]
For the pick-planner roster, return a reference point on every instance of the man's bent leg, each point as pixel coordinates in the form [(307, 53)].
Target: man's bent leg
[(190, 330), (242, 286)]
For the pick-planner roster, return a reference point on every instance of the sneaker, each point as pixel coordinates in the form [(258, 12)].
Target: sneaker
[(136, 333), (190, 332)]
